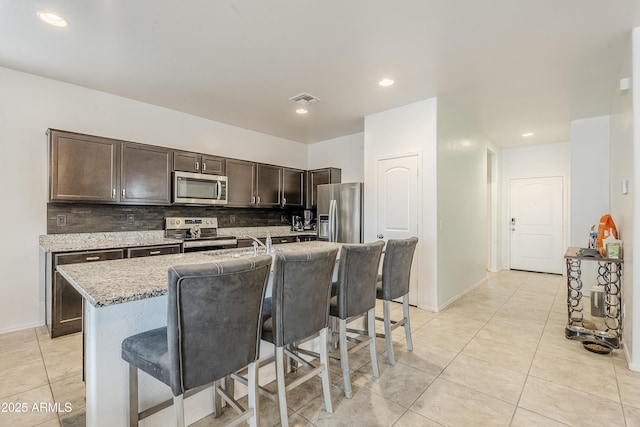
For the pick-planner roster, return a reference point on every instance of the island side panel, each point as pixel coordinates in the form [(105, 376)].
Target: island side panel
[(106, 372)]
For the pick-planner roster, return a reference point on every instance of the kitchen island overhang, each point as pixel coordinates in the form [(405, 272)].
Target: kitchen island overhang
[(126, 297)]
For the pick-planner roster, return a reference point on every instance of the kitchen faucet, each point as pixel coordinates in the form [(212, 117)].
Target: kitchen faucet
[(266, 247)]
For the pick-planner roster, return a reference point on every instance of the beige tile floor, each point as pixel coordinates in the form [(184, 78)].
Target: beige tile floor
[(496, 357)]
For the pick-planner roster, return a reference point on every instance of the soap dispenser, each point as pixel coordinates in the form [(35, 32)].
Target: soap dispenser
[(268, 243)]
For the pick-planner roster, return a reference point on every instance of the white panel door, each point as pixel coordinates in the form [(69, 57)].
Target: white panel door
[(397, 209), (536, 224)]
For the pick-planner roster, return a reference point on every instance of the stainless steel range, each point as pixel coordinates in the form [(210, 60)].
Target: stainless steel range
[(198, 234)]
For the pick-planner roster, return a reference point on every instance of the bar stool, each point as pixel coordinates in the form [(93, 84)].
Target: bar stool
[(394, 283), (213, 329), (354, 295), (297, 310)]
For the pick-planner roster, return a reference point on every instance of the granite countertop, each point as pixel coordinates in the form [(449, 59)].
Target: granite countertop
[(105, 283), (261, 232), (107, 240), (127, 239)]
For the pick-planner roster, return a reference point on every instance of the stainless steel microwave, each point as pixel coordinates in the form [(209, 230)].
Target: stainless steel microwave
[(199, 189)]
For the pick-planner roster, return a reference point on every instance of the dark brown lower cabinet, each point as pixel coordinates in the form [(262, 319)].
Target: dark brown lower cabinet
[(64, 303), (65, 315)]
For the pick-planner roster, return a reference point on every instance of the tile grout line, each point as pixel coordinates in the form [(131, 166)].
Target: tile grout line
[(47, 373), (531, 364)]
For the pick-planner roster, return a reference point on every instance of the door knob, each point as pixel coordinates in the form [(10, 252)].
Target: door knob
[(380, 236)]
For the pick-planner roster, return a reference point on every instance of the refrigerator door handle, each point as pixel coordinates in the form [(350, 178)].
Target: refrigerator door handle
[(333, 235)]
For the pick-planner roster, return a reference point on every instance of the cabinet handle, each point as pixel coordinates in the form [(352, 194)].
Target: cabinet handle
[(258, 199), (154, 252), (253, 199), (284, 241), (197, 165), (113, 193), (123, 193), (204, 166), (93, 258)]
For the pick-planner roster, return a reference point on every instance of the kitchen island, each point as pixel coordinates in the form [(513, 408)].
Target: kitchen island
[(126, 297)]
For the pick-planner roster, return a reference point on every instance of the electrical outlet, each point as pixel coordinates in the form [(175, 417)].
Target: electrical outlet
[(131, 218), (232, 219), (61, 220)]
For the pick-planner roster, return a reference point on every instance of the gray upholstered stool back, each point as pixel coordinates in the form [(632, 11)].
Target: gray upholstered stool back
[(301, 289), (396, 267), (357, 274), (214, 319)]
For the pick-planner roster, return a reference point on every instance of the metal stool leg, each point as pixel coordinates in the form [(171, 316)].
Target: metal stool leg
[(282, 392), (344, 357), (178, 407), (133, 396), (324, 361), (407, 322), (387, 332), (371, 327), (254, 401)]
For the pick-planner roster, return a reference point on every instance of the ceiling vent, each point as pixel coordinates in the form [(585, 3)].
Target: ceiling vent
[(305, 99)]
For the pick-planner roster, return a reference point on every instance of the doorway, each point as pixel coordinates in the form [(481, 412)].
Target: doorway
[(492, 212), (397, 206), (536, 224)]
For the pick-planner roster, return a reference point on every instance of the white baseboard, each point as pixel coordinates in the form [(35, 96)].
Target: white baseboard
[(627, 356), (460, 295), (21, 327)]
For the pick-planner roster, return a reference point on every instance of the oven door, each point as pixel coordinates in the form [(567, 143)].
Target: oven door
[(209, 244), (199, 189)]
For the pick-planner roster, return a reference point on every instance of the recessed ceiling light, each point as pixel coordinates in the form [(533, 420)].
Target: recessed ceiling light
[(302, 111), (385, 82), (52, 19), (527, 134)]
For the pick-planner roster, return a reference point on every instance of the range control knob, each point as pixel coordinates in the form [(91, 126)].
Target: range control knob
[(178, 222)]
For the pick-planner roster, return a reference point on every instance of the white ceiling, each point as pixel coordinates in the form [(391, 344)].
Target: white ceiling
[(511, 65)]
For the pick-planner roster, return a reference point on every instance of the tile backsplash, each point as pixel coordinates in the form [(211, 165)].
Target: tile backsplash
[(91, 218)]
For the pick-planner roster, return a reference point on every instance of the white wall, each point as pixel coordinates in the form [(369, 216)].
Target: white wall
[(589, 176), (28, 106), (345, 152), (634, 258), (407, 129), (461, 203), (532, 162), (625, 161)]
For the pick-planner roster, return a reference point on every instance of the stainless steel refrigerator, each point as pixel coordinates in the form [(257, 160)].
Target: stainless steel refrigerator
[(340, 212)]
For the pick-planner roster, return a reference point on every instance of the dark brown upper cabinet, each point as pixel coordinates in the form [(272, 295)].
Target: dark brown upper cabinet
[(255, 184), (83, 168), (319, 177), (268, 186), (198, 163), (145, 174), (292, 187), (241, 190)]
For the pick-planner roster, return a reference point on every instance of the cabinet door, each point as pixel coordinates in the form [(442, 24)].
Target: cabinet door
[(83, 168), (241, 183), (268, 185), (292, 187), (186, 162), (146, 174), (66, 310), (320, 177), (213, 165)]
